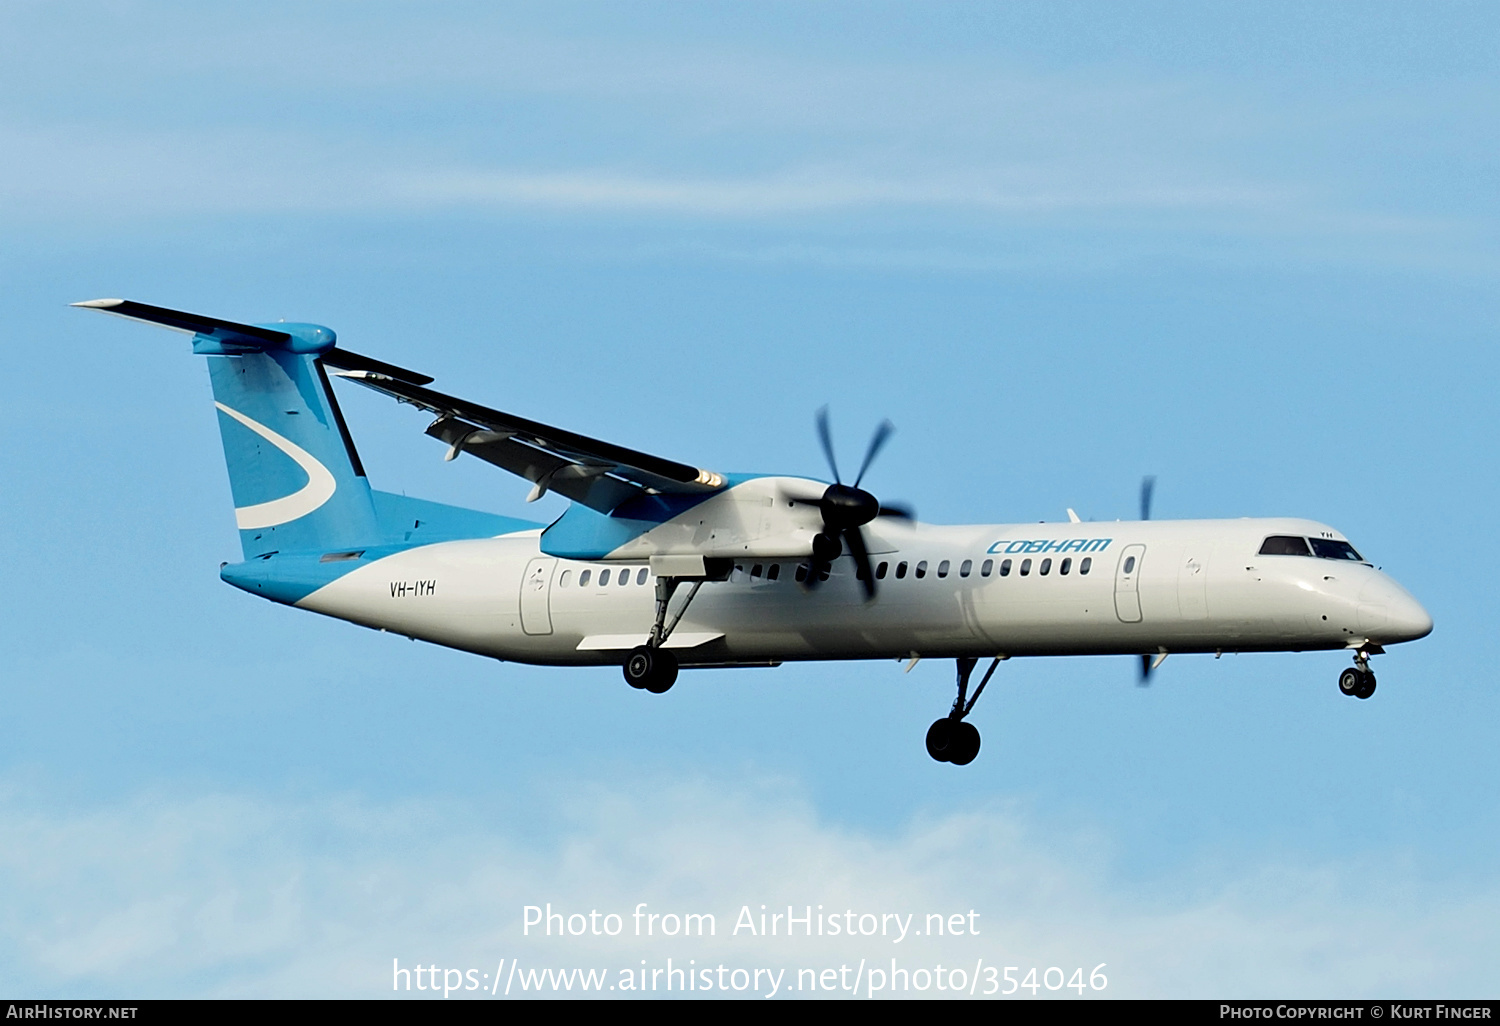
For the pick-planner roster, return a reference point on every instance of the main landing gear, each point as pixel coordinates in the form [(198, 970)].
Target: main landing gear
[(1357, 680), (651, 667), (952, 738)]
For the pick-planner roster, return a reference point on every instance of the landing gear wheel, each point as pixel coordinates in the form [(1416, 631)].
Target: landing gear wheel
[(940, 739), (955, 741), (1367, 688), (638, 666), (650, 669), (964, 745), (1351, 681)]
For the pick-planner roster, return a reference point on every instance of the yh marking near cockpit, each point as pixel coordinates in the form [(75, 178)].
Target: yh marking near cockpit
[(657, 565)]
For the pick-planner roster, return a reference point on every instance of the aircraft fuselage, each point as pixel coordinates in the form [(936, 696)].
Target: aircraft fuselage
[(1012, 589)]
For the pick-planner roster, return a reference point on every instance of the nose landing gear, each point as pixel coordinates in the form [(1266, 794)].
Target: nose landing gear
[(1357, 681), (952, 738)]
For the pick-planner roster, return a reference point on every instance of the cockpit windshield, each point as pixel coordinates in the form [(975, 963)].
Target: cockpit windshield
[(1323, 548), (1328, 549)]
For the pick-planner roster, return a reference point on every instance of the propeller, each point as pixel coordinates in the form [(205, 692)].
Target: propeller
[(1148, 662), (846, 509)]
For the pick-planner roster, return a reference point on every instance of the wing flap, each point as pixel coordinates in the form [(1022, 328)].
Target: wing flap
[(344, 360)]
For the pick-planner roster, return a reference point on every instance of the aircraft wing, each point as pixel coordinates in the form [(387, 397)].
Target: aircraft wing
[(597, 474)]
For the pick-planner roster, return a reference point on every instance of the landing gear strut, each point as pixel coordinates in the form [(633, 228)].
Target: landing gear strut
[(1358, 681), (952, 738), (649, 666)]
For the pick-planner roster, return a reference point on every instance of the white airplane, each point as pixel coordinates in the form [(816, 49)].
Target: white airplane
[(658, 565)]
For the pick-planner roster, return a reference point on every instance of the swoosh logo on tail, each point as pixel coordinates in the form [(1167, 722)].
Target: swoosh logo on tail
[(318, 490)]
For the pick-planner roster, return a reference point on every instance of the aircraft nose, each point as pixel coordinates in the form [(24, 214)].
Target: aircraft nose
[(1388, 613)]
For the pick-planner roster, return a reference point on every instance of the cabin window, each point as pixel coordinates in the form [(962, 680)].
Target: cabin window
[(774, 573), (567, 575), (624, 577), (1328, 549), (880, 571), (640, 576), (1086, 563), (965, 568), (1025, 567), (1046, 567), (1129, 564), (736, 575), (823, 573), (603, 578), (1067, 565), (922, 569), (583, 578), (1005, 568), (943, 568), (986, 567), (1284, 545), (755, 571), (900, 570), (801, 572)]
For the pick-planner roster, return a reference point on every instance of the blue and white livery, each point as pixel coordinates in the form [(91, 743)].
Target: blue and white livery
[(658, 565)]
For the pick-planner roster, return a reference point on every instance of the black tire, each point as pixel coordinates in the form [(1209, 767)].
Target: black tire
[(665, 674), (1367, 688), (965, 744), (640, 666), (1351, 681), (940, 739)]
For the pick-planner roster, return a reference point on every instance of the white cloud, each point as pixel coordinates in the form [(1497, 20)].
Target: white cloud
[(983, 157), (240, 894), (89, 174)]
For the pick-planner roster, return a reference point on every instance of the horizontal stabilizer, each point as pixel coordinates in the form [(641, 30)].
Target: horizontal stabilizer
[(190, 323)]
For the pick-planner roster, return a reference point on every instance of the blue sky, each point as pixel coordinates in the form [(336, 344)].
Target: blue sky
[(1249, 249)]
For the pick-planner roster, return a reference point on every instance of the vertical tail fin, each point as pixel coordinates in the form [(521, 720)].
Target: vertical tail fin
[(296, 479)]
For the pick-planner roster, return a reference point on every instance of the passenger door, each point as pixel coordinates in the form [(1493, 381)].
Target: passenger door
[(536, 613), (1127, 584), (1192, 583)]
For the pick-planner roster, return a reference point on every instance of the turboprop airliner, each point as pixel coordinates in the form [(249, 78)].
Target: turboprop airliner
[(658, 565)]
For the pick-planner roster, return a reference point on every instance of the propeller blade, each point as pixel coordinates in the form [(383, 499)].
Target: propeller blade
[(1148, 485), (898, 509), (828, 443), (881, 434), (865, 572), (1144, 680)]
